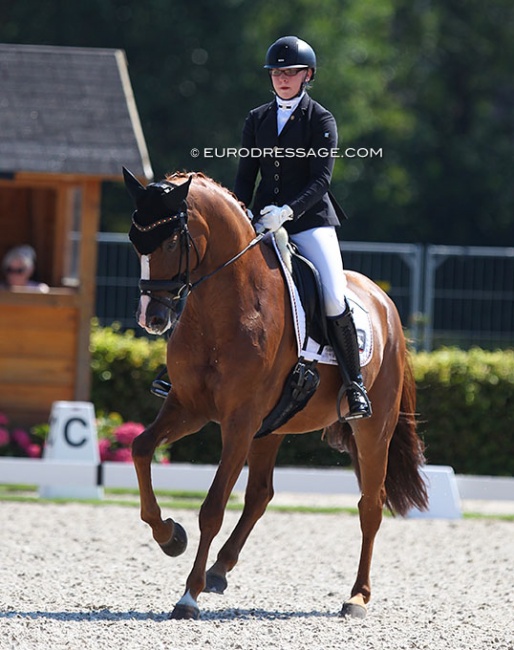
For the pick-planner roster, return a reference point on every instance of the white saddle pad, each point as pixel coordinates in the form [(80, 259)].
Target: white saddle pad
[(311, 351)]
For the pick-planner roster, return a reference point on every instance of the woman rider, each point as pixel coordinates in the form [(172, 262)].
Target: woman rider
[(294, 191)]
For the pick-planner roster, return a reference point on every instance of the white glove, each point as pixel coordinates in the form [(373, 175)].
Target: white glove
[(273, 216)]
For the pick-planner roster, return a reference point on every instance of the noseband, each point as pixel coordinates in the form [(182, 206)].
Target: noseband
[(180, 286)]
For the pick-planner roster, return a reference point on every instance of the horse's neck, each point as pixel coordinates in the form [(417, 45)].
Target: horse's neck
[(230, 231), (233, 279), (243, 294), (231, 287)]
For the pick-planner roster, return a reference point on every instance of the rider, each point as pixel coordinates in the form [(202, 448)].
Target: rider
[(294, 191)]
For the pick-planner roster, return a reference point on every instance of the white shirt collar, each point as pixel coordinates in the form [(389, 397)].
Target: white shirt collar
[(289, 104)]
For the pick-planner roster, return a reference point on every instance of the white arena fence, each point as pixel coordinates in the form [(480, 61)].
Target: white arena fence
[(445, 488), (446, 295)]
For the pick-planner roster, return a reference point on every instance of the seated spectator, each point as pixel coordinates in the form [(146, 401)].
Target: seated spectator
[(18, 267)]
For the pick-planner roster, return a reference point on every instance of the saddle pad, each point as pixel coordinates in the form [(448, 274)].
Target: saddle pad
[(310, 351)]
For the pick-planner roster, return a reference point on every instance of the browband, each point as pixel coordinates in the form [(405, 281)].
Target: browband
[(159, 222)]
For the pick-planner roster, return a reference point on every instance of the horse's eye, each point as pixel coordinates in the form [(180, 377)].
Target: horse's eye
[(171, 243)]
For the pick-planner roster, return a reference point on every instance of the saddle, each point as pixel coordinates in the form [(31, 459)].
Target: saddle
[(306, 296), (303, 380), (308, 283)]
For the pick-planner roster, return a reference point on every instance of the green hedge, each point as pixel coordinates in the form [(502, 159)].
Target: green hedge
[(466, 409), (465, 405), (123, 368)]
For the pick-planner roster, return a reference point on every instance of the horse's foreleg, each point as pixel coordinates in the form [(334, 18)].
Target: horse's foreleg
[(233, 456), (259, 492), (168, 534)]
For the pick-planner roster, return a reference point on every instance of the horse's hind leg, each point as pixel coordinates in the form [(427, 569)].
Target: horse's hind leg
[(171, 424), (372, 438), (259, 492)]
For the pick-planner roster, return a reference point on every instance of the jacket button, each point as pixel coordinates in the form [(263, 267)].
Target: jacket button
[(277, 163), (277, 177), (276, 190)]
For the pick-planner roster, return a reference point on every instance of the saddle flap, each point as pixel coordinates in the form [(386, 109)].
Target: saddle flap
[(310, 290)]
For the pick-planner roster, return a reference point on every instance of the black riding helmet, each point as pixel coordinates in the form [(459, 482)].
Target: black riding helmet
[(290, 52)]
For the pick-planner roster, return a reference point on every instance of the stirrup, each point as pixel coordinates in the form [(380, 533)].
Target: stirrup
[(353, 416), (159, 386)]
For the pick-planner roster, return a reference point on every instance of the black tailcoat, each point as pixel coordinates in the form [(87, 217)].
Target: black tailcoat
[(295, 166)]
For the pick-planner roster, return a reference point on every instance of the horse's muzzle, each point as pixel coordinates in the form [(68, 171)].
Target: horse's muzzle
[(153, 316)]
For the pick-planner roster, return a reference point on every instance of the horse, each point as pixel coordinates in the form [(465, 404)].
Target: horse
[(220, 291)]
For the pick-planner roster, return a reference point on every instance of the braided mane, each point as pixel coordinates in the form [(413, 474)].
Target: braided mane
[(183, 175)]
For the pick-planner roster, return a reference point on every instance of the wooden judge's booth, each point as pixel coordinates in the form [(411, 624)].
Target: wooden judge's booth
[(68, 122)]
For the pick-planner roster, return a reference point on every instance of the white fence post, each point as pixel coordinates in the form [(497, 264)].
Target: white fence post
[(443, 494)]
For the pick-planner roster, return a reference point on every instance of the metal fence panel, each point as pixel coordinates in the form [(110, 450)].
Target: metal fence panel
[(446, 295), (469, 297), (118, 273), (397, 268)]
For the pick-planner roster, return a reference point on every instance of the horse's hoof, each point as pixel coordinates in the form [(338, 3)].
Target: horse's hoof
[(183, 612), (353, 610), (178, 542), (215, 584)]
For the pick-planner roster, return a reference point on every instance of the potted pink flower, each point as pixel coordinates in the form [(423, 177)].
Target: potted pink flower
[(15, 441), (115, 439)]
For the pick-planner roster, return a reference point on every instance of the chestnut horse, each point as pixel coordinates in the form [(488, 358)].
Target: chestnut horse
[(220, 290)]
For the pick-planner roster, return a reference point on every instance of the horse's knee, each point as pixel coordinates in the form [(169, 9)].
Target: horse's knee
[(257, 498), (267, 492), (370, 514), (143, 445), (210, 517), (264, 495)]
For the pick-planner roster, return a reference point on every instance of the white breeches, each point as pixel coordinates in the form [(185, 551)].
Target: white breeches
[(321, 247)]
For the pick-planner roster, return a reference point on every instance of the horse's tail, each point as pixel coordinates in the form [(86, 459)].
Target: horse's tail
[(405, 488)]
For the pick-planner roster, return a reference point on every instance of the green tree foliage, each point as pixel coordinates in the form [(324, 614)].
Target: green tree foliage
[(429, 84), (453, 77)]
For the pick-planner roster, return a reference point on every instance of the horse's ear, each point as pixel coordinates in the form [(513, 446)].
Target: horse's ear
[(134, 187), (180, 191)]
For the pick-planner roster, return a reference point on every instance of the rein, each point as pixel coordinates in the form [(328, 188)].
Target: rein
[(253, 243), (181, 287)]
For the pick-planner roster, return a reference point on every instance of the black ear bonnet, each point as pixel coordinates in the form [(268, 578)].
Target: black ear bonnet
[(161, 210)]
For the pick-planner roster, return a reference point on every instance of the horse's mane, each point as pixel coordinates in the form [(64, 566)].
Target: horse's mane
[(184, 175)]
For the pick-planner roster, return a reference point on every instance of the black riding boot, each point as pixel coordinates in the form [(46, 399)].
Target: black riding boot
[(343, 338)]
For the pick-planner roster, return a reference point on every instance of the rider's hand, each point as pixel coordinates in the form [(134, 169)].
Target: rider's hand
[(273, 216)]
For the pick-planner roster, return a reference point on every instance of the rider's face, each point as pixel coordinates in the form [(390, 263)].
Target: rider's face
[(286, 86)]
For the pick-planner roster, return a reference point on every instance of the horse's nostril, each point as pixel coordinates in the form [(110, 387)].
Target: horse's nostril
[(156, 322)]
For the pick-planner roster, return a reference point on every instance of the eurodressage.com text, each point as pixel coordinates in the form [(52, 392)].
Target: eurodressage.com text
[(286, 152)]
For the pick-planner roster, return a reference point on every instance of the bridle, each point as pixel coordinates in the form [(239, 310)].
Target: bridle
[(180, 287)]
